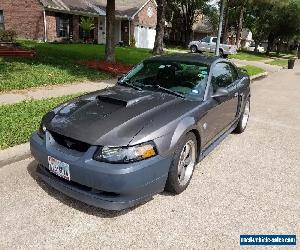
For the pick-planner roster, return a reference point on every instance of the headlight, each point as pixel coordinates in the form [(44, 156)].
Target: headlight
[(42, 131), (45, 120), (126, 154)]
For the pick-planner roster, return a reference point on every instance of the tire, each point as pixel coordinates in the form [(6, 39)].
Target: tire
[(221, 53), (194, 49), (243, 121), (178, 180)]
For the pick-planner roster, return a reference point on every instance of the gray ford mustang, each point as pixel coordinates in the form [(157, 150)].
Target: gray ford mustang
[(117, 147)]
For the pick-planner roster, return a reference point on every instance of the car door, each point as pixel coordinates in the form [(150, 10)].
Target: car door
[(204, 44), (222, 111), (213, 44)]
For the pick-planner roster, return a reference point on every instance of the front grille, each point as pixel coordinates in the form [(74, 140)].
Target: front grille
[(70, 143)]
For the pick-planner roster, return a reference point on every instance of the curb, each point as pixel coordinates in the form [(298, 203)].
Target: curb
[(14, 154), (259, 76)]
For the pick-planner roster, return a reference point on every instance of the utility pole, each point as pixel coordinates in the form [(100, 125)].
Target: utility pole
[(220, 27)]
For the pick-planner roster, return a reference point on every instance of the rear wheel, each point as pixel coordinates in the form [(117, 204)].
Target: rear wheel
[(194, 49), (243, 121), (183, 165)]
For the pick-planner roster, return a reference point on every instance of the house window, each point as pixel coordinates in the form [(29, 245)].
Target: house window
[(63, 26), (1, 20)]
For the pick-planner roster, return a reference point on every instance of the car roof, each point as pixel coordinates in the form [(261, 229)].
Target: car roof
[(185, 58)]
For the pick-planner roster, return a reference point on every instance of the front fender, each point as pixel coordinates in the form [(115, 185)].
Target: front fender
[(167, 144)]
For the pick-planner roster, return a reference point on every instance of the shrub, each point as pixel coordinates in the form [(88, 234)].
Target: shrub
[(8, 36), (132, 42)]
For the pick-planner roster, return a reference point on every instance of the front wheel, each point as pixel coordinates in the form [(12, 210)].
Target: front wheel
[(194, 49), (243, 121), (183, 165)]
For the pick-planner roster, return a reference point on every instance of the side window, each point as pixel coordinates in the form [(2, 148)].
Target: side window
[(214, 40), (221, 76), (206, 40)]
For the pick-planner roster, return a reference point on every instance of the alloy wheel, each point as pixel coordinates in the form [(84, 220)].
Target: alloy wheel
[(186, 163)]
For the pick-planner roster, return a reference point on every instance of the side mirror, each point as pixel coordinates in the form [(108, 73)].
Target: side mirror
[(220, 92)]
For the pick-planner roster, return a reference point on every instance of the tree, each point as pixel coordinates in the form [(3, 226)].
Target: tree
[(161, 19), (110, 31), (182, 15), (273, 20), (87, 24)]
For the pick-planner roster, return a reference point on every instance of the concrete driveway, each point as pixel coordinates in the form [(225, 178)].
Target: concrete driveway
[(250, 184)]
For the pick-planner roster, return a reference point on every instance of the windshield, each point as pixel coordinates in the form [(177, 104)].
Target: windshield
[(186, 79)]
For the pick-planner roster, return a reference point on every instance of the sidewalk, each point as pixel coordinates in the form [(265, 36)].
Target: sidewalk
[(267, 67), (53, 91)]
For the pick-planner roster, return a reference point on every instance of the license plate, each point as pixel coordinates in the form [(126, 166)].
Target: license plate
[(59, 168)]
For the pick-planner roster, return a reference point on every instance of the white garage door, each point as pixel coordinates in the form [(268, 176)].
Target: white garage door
[(144, 37)]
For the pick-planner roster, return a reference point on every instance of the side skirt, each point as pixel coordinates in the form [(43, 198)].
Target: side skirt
[(213, 145)]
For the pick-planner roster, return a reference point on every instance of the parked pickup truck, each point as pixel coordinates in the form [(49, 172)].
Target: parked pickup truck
[(208, 44)]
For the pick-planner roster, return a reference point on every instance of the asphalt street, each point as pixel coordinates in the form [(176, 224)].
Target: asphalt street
[(250, 184)]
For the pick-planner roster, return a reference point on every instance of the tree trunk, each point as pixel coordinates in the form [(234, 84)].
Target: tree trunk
[(225, 32), (240, 27), (278, 48), (160, 27), (270, 43), (256, 47), (187, 36), (110, 31)]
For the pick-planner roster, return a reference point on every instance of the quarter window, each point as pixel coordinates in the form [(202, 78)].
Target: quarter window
[(1, 20), (221, 76)]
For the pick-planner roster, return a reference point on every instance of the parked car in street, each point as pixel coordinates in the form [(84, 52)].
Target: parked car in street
[(117, 147), (208, 44), (260, 49)]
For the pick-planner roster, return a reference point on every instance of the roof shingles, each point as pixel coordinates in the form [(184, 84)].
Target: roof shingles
[(96, 7)]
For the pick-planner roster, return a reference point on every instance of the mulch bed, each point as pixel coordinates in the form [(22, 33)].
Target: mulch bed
[(15, 51), (112, 68)]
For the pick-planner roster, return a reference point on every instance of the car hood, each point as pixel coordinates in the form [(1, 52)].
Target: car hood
[(109, 117)]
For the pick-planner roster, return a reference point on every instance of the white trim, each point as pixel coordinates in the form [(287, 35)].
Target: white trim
[(132, 17), (120, 30), (45, 25), (129, 31)]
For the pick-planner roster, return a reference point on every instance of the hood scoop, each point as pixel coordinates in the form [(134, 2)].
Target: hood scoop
[(123, 103), (111, 100)]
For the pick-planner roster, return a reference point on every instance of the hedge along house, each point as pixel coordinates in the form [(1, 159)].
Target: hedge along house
[(56, 20)]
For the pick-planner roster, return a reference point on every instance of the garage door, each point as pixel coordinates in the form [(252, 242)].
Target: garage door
[(144, 37)]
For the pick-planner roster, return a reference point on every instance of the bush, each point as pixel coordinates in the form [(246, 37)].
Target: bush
[(8, 36), (132, 42)]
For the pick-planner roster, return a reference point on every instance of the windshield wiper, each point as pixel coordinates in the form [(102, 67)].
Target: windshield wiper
[(130, 85), (157, 86)]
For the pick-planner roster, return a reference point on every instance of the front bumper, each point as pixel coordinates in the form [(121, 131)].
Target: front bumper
[(104, 185)]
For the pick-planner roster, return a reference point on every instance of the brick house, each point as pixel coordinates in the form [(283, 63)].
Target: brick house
[(55, 20)]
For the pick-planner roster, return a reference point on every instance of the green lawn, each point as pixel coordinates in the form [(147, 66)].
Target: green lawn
[(279, 62), (57, 64), (253, 70), (249, 56), (252, 56), (19, 120)]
